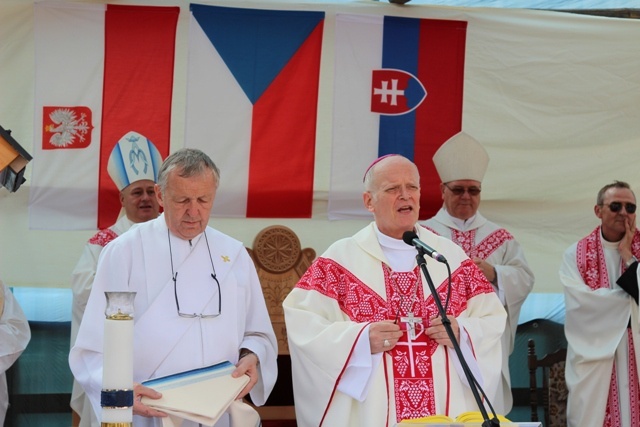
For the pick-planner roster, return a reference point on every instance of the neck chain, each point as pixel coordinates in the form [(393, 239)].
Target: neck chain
[(409, 319), (414, 294)]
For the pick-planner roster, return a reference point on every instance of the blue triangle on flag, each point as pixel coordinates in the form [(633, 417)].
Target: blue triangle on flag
[(255, 44)]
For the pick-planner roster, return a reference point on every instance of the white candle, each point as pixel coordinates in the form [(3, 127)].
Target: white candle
[(117, 370)]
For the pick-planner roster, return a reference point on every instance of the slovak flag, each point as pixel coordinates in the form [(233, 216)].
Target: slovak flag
[(252, 100), (101, 72), (398, 89)]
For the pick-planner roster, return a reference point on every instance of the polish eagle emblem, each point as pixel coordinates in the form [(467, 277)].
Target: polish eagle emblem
[(66, 127)]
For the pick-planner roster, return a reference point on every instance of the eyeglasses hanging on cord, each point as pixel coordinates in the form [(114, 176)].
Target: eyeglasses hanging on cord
[(174, 277)]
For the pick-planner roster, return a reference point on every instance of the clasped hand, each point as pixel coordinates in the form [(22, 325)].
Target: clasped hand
[(437, 332), (384, 335)]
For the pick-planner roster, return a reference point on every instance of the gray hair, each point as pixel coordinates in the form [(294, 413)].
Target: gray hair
[(368, 180), (614, 184), (187, 162)]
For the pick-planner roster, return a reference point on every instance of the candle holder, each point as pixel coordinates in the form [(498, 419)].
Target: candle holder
[(116, 398)]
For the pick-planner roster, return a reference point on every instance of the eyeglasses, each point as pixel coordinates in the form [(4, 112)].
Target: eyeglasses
[(174, 277), (194, 315), (617, 206), (459, 191)]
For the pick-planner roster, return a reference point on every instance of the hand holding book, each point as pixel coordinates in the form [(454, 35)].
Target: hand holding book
[(201, 395)]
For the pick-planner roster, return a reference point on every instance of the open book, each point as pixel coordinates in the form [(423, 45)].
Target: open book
[(200, 395)]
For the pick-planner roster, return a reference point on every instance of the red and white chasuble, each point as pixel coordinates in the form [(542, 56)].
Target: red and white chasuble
[(488, 241), (350, 286), (479, 239), (589, 273)]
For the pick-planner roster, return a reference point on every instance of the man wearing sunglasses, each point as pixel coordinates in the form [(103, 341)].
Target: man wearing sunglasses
[(599, 274), (461, 163)]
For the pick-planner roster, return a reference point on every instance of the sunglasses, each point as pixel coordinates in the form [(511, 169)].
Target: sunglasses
[(459, 191), (617, 207)]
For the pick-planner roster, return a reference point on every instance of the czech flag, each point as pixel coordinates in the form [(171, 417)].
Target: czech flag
[(251, 105)]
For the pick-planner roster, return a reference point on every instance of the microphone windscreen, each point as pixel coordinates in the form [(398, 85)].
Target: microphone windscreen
[(408, 237)]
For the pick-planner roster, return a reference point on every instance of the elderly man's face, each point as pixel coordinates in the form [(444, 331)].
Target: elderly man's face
[(139, 201), (461, 198), (394, 198), (187, 202)]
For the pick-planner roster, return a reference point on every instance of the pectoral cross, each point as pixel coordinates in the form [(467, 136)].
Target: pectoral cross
[(411, 324)]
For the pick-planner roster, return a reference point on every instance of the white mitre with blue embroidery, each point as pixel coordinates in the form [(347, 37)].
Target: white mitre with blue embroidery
[(133, 158)]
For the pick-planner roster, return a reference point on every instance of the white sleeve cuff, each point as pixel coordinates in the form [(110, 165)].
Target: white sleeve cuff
[(357, 377), (467, 353)]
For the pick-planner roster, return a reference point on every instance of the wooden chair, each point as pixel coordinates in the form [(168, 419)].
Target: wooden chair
[(280, 262), (554, 388)]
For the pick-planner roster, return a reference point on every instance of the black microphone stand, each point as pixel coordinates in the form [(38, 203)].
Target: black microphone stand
[(447, 325)]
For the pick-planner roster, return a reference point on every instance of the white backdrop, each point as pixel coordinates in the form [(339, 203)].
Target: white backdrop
[(553, 141)]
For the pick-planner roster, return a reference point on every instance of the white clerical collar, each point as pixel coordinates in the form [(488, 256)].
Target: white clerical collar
[(401, 256), (460, 223)]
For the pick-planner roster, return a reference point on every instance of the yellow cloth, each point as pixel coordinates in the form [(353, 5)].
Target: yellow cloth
[(465, 417), (433, 419)]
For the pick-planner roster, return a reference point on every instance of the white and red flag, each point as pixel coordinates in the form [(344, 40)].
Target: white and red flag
[(101, 72)]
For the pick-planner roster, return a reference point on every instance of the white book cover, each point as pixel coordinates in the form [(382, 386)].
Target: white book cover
[(200, 395)]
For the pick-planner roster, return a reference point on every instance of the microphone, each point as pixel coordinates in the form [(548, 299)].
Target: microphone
[(411, 239)]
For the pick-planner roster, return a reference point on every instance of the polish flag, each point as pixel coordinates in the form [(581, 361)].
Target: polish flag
[(101, 72)]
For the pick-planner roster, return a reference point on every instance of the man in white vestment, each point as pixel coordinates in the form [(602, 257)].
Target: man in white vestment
[(133, 167), (461, 163), (14, 337), (198, 298), (600, 278), (368, 347)]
